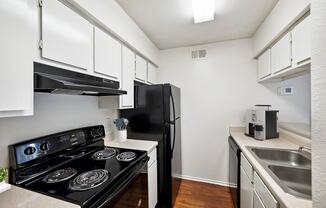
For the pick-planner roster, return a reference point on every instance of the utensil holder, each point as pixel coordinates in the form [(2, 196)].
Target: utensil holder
[(121, 135)]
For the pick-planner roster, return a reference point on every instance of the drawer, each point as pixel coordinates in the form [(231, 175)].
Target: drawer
[(152, 157), (264, 194), (257, 201), (247, 167)]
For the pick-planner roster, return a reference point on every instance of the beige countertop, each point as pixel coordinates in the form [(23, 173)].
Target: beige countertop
[(301, 129), (21, 198), (285, 199), (133, 144)]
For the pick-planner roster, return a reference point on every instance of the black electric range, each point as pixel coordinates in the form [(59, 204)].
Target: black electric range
[(75, 166)]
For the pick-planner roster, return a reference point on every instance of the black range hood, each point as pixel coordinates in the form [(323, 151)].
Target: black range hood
[(50, 79)]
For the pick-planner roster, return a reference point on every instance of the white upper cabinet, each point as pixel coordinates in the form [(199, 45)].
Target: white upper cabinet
[(127, 78), (16, 65), (107, 55), (301, 42), (281, 54), (264, 64), (152, 74), (67, 37), (141, 69)]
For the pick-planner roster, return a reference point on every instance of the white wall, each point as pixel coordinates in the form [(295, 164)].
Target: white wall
[(53, 113), (318, 81), (215, 94), (113, 16), (284, 14)]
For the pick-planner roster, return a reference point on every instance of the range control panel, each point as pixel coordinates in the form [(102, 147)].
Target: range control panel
[(43, 146)]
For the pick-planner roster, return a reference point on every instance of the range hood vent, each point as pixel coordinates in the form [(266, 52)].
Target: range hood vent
[(49, 79)]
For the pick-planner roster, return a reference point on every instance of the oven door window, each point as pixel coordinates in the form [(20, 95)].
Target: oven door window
[(136, 195)]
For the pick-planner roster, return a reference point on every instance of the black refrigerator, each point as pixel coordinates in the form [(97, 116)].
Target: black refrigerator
[(156, 117)]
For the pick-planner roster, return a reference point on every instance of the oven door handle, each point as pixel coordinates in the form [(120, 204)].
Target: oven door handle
[(118, 190)]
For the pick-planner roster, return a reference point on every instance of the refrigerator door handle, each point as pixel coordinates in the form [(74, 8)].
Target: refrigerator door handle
[(173, 123)]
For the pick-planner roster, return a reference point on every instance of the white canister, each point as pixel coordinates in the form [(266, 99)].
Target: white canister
[(121, 135), (4, 186)]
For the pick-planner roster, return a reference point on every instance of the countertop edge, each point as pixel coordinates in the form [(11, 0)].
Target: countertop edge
[(143, 145)]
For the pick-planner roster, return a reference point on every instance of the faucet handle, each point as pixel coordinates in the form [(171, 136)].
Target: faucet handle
[(301, 148)]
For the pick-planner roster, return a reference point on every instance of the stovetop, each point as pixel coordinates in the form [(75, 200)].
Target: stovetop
[(78, 167)]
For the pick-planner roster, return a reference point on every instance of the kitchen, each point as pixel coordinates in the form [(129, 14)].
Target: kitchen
[(77, 74)]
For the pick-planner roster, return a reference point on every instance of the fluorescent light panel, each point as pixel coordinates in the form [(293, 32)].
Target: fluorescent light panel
[(203, 10)]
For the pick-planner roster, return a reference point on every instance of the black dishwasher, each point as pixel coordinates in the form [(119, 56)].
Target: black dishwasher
[(234, 171)]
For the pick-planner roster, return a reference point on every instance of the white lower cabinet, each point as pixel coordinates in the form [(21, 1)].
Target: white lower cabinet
[(264, 194), (253, 192), (257, 201), (246, 190), (152, 179), (152, 185)]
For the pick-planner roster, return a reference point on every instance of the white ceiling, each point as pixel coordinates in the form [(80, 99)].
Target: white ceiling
[(169, 23)]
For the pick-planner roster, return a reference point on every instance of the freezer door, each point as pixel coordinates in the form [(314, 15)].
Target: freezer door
[(175, 93)]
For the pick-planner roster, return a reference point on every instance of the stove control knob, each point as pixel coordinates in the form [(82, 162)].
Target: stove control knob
[(29, 150), (94, 133), (100, 132), (44, 147)]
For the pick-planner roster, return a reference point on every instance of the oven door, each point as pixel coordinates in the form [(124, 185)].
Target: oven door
[(136, 195), (131, 190)]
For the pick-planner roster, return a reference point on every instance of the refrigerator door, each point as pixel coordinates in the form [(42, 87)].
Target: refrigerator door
[(146, 119), (176, 162), (156, 117), (175, 139)]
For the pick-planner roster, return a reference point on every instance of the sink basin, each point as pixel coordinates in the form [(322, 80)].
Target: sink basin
[(291, 169), (297, 181), (292, 158)]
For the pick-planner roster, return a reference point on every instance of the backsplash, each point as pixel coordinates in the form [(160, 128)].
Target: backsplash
[(55, 113)]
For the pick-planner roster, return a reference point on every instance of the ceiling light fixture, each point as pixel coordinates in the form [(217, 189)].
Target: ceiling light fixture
[(203, 10)]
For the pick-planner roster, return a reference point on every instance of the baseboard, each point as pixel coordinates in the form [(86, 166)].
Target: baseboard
[(204, 180)]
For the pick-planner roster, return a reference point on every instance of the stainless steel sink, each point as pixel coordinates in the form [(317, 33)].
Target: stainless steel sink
[(297, 180), (293, 158), (291, 169)]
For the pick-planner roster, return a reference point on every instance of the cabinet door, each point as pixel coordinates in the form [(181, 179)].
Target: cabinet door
[(264, 64), (281, 54), (141, 69), (127, 78), (301, 41), (16, 65), (257, 201), (67, 37), (107, 55), (246, 191), (152, 74), (152, 185)]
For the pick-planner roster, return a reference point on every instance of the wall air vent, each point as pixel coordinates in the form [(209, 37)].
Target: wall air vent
[(198, 54)]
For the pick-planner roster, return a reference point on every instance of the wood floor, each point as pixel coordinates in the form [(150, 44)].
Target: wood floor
[(202, 195)]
